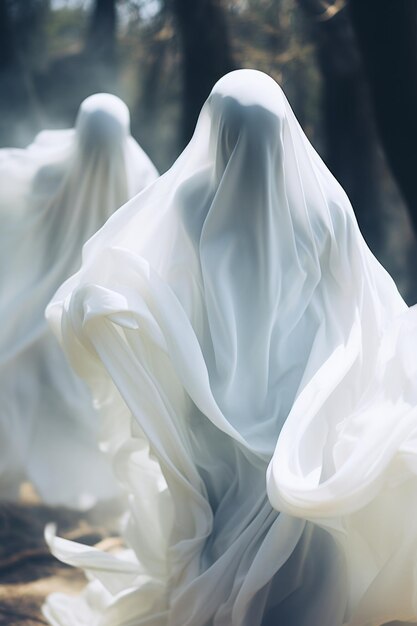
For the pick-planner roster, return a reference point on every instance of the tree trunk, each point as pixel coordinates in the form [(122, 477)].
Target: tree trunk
[(101, 37), (19, 107), (206, 53), (7, 52), (99, 59), (387, 35), (350, 141)]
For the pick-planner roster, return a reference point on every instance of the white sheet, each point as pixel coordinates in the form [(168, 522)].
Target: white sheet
[(53, 196), (249, 335)]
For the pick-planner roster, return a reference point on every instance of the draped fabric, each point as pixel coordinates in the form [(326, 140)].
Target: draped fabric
[(255, 369), (53, 196)]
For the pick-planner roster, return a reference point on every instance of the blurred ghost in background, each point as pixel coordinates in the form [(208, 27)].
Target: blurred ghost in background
[(54, 195)]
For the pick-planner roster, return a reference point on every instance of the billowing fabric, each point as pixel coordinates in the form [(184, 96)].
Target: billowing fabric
[(237, 331), (53, 196)]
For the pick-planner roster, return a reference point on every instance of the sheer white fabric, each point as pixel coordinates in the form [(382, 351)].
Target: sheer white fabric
[(244, 325), (53, 196)]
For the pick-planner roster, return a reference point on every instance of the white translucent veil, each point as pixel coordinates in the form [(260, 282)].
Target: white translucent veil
[(53, 196), (234, 294)]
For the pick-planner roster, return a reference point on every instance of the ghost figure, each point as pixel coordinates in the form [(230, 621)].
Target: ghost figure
[(53, 196), (255, 366)]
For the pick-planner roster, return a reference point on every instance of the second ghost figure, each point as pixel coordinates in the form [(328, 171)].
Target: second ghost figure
[(54, 196)]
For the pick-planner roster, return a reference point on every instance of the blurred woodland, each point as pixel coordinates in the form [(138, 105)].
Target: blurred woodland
[(348, 68)]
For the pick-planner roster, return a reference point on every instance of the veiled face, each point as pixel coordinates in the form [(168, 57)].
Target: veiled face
[(102, 124), (252, 128), (250, 115)]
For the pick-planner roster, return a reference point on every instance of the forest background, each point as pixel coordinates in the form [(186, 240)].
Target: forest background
[(348, 68)]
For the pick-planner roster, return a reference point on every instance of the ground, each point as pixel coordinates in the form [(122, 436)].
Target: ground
[(28, 572)]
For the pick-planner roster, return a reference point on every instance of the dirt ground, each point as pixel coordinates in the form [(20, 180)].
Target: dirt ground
[(28, 572)]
